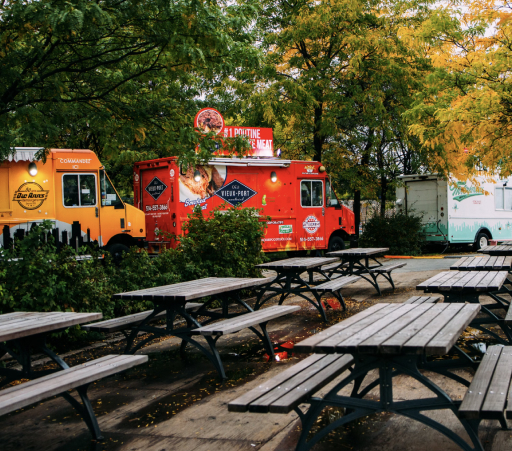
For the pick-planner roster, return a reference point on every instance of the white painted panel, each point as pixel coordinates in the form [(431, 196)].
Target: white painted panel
[(422, 198)]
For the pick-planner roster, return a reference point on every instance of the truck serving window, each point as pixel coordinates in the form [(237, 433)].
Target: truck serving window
[(79, 190), (503, 198), (109, 197), (311, 193)]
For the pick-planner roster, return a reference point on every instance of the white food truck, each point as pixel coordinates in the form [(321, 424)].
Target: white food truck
[(459, 212)]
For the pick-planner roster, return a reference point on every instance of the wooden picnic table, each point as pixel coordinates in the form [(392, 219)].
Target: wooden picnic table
[(483, 263), (502, 250), (468, 286), (23, 334), (171, 299), (393, 339), (363, 262), (289, 281)]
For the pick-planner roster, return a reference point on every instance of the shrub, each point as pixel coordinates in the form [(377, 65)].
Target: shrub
[(400, 232), (225, 243)]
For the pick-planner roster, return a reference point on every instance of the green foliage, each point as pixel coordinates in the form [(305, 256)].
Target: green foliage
[(226, 243), (400, 232), (35, 276)]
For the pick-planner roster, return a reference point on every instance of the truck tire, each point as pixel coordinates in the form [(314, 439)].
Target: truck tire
[(482, 240), (336, 243), (117, 250)]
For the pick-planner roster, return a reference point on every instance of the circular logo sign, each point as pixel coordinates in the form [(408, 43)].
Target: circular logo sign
[(30, 195), (136, 176), (171, 172), (311, 224), (209, 120)]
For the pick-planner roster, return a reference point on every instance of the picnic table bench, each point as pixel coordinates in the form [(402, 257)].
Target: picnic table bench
[(289, 281), (362, 262), (24, 333), (390, 338), (468, 286), (59, 383), (173, 301), (503, 250), (483, 263)]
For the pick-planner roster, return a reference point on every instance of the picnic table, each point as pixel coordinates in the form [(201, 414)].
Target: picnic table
[(363, 262), (289, 281), (468, 286), (23, 334), (171, 300), (483, 263), (391, 338), (502, 250)]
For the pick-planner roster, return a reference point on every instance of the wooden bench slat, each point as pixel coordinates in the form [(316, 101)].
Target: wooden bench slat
[(387, 268), (238, 323), (475, 396), (309, 385), (125, 322), (496, 397), (336, 284), (22, 395), (296, 384), (241, 404), (424, 300)]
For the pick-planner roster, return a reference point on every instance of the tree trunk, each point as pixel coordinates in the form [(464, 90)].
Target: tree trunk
[(318, 140), (357, 210), (383, 193)]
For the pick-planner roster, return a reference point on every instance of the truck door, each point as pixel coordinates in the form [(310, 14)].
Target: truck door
[(422, 199), (311, 217), (156, 188), (79, 195), (112, 211)]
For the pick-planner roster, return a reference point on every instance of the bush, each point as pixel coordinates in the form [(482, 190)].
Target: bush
[(400, 232), (34, 276), (226, 243)]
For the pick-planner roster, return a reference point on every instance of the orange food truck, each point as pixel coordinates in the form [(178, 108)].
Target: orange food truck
[(297, 195), (73, 191)]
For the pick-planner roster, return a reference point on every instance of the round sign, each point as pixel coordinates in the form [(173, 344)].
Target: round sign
[(209, 120), (30, 195), (311, 224), (171, 172)]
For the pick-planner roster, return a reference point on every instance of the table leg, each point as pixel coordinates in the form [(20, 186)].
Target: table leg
[(389, 367)]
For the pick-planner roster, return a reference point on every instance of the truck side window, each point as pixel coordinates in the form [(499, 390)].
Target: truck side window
[(109, 197), (311, 193), (79, 190), (330, 198), (503, 198)]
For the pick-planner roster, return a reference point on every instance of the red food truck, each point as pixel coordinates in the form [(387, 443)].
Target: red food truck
[(297, 196)]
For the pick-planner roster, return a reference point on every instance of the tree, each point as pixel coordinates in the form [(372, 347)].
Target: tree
[(336, 79), (465, 117), (117, 76)]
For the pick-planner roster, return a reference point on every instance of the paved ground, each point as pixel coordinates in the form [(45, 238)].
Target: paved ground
[(171, 404)]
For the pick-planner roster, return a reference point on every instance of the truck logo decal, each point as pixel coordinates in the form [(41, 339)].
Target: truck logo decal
[(461, 191), (30, 195), (155, 188), (285, 229), (311, 224), (235, 193)]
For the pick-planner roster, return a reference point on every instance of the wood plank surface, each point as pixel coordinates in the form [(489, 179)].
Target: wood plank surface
[(44, 324), (310, 343), (475, 396), (336, 284), (496, 396), (358, 252), (303, 263), (22, 395)]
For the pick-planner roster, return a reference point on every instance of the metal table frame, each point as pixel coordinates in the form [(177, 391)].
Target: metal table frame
[(286, 277), (194, 319), (356, 267)]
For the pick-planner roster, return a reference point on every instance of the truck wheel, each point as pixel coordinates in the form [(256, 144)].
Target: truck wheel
[(482, 240), (116, 250), (336, 243)]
